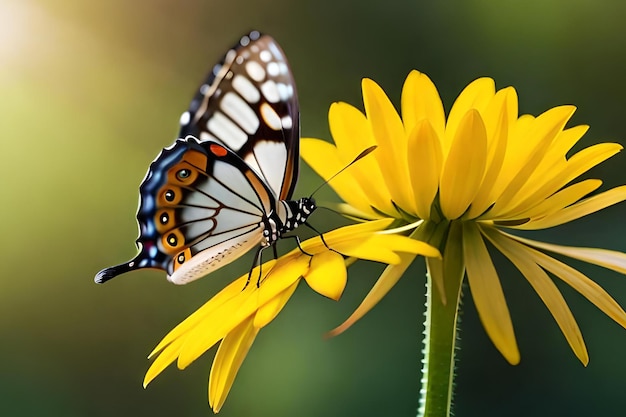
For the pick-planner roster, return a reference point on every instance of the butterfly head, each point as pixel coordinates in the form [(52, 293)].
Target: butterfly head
[(307, 205)]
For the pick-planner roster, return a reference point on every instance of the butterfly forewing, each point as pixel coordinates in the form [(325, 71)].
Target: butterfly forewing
[(249, 104)]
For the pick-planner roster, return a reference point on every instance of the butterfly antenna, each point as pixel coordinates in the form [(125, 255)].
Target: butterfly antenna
[(358, 157)]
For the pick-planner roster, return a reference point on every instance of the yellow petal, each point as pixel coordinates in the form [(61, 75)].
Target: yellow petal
[(327, 274), (585, 286), (325, 161), (344, 235), (392, 143), (504, 103), (559, 201), (228, 360), (350, 212), (421, 101), (560, 175), (241, 307), (487, 294), (269, 310), (545, 288), (387, 280), (287, 272), (609, 259), (477, 95), (497, 135), (165, 358), (425, 162), (367, 249), (398, 243), (567, 139), (543, 132), (212, 330), (352, 134), (578, 210), (465, 166), (210, 307)]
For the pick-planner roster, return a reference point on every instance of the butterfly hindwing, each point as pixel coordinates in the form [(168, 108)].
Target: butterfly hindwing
[(201, 207), (249, 104)]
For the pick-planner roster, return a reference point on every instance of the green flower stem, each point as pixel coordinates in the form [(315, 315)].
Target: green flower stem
[(441, 323)]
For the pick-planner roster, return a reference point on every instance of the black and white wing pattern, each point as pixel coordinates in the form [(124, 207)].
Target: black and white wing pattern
[(222, 188), (249, 104)]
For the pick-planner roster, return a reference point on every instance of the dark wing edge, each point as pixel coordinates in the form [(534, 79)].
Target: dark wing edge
[(247, 99)]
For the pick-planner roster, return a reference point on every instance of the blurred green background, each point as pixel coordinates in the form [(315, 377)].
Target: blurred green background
[(90, 93)]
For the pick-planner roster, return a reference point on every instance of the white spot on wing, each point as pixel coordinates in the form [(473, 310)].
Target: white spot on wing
[(270, 91), (204, 136), (273, 69), (255, 71), (271, 118), (238, 110), (226, 131), (272, 46), (284, 92), (266, 56), (272, 157), (185, 118), (287, 122), (247, 90)]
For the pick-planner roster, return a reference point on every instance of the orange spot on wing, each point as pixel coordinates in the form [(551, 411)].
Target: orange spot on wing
[(218, 150), (184, 256), (172, 242)]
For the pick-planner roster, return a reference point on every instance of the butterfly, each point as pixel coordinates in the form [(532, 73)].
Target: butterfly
[(225, 186)]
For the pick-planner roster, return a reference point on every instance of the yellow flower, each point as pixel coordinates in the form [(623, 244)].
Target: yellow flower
[(235, 316), (470, 176)]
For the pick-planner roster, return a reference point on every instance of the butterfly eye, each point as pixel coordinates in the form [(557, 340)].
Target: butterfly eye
[(181, 258), (164, 218), (170, 195)]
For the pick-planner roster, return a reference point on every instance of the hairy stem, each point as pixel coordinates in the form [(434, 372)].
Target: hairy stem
[(440, 327)]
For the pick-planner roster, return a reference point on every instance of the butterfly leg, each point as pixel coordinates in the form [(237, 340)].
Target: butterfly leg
[(321, 235), (298, 242), (258, 257)]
